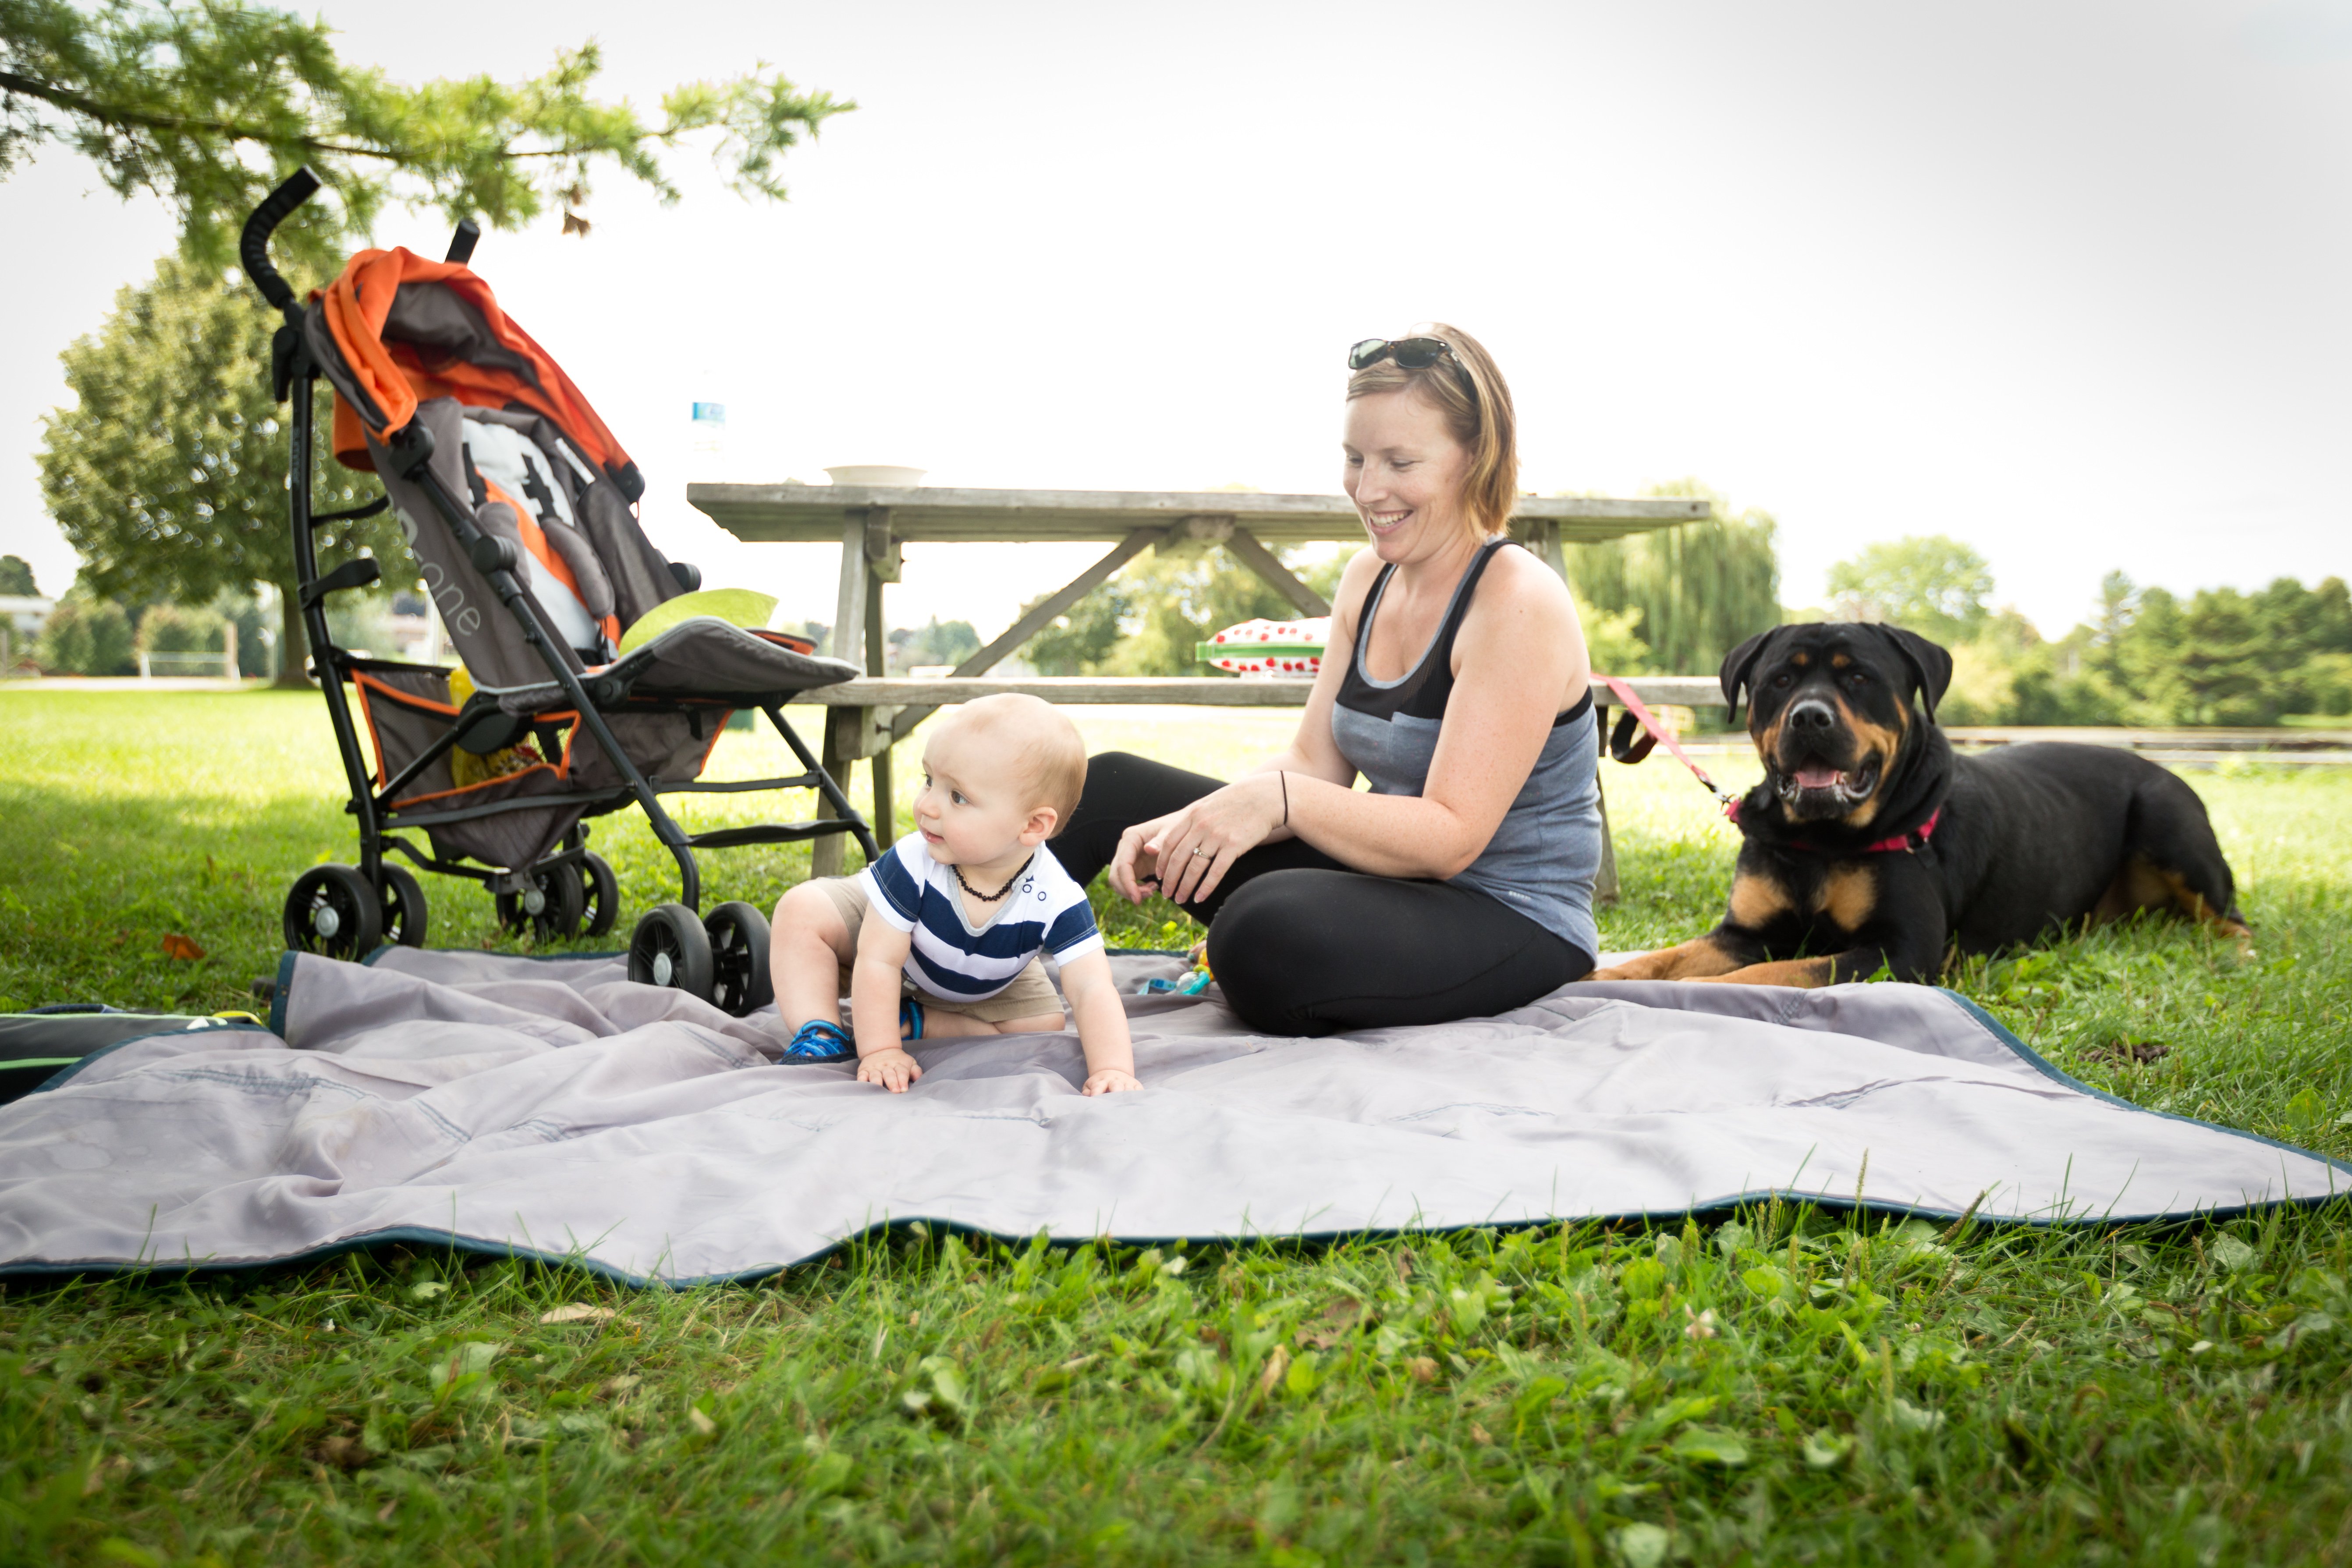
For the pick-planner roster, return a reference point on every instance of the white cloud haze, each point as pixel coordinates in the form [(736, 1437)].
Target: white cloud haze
[(2066, 282)]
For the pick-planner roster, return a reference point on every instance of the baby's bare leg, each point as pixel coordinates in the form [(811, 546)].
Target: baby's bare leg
[(939, 1023), (1043, 1023), (808, 945)]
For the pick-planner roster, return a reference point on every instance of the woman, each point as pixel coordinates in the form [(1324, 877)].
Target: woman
[(1454, 682)]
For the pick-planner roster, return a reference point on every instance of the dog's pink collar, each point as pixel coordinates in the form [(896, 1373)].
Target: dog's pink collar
[(1908, 843)]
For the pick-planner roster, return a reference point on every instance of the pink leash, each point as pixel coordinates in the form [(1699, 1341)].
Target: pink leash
[(1625, 752), (1622, 748)]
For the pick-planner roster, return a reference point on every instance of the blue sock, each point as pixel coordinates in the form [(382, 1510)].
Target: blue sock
[(819, 1041)]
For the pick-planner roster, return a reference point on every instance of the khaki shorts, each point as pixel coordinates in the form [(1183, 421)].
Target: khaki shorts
[(1030, 995)]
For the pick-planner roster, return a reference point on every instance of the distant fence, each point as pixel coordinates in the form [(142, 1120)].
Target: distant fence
[(222, 664), (2196, 749)]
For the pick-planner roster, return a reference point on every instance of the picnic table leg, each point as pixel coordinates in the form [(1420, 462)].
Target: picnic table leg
[(1543, 538), (1604, 884), (1038, 618), (1244, 547), (826, 854), (867, 559), (874, 734)]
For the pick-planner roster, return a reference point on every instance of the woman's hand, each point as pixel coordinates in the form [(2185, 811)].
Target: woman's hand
[(1134, 874), (1190, 850)]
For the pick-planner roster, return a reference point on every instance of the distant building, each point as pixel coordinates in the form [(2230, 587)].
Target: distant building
[(26, 614), (22, 616)]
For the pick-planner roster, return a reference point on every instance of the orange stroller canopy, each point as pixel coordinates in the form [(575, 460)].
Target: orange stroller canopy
[(408, 330)]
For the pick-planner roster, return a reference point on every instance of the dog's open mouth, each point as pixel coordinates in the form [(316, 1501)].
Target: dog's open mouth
[(1814, 784)]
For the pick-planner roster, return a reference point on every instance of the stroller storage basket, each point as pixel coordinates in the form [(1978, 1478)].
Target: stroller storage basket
[(518, 506)]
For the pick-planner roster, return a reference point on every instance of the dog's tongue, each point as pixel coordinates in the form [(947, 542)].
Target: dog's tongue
[(1816, 775)]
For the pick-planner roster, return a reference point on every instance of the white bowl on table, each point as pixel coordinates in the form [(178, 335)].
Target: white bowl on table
[(884, 475)]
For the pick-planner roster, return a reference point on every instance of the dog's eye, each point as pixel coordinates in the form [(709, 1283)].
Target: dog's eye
[(1782, 681)]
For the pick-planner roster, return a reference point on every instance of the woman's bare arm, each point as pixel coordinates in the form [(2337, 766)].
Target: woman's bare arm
[(1519, 659)]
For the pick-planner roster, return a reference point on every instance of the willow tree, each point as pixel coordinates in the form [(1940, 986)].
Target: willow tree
[(1700, 588)]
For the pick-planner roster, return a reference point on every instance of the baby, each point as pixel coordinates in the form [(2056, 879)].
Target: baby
[(963, 907)]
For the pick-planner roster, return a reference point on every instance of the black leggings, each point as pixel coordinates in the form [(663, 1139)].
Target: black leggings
[(1302, 946)]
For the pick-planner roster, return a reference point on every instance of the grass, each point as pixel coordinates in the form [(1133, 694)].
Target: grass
[(1786, 1386)]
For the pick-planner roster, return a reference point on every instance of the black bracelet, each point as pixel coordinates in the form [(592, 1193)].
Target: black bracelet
[(1285, 796)]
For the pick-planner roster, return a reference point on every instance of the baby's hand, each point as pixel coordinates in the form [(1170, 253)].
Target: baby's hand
[(1112, 1080), (891, 1068)]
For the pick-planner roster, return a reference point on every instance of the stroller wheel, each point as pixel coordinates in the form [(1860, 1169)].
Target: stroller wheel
[(604, 905), (738, 958), (670, 948), (333, 910), (404, 908), (557, 892)]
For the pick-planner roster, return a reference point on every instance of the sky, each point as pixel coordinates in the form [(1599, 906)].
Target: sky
[(2070, 283)]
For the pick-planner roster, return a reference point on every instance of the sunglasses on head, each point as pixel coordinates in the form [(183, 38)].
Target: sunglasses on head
[(1410, 353)]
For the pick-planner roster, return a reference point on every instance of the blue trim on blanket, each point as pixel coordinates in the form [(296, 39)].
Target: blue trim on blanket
[(2051, 1071), (1712, 1208), (278, 992), (1708, 1207)]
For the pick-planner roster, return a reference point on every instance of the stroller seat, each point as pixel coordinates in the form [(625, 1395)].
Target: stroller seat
[(519, 506)]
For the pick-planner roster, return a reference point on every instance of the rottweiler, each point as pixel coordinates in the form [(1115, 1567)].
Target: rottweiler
[(1872, 846)]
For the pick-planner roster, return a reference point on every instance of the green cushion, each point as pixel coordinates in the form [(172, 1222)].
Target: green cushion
[(736, 606)]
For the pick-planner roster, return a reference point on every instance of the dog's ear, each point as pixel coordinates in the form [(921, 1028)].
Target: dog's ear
[(1738, 665), (1930, 666)]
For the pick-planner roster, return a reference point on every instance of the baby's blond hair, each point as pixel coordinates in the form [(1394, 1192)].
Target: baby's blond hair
[(1046, 753)]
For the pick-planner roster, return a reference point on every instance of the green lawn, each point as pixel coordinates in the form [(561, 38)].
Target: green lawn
[(1785, 1386)]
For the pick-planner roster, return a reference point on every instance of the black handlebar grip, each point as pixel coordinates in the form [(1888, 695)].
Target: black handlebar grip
[(461, 242), (492, 553), (253, 244)]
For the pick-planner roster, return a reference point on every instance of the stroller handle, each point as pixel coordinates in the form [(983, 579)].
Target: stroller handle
[(253, 244)]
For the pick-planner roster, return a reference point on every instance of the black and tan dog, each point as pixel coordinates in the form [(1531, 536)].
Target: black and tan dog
[(1870, 846)]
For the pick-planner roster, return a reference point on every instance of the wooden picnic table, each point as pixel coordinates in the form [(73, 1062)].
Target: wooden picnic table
[(872, 523)]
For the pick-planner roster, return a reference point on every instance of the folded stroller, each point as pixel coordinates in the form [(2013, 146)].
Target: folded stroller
[(520, 508)]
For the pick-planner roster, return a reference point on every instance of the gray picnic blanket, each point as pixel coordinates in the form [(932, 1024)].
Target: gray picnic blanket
[(550, 1107)]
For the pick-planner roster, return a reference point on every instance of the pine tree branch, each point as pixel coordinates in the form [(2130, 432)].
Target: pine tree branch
[(132, 118)]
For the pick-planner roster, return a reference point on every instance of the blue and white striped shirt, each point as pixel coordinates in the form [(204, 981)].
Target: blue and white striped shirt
[(951, 958)]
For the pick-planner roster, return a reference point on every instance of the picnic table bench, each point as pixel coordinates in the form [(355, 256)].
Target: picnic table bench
[(873, 523)]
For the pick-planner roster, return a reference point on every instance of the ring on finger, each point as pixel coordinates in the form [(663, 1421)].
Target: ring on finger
[(1198, 849)]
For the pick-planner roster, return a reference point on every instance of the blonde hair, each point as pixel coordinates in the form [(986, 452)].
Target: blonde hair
[(1483, 423), (1047, 756)]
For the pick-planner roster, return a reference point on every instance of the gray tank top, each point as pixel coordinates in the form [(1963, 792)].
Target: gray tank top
[(1545, 855)]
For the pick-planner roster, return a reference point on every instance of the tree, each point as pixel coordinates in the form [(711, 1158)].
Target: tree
[(87, 636), (176, 629), (1695, 591), (169, 474), (17, 577), (2220, 656), (1148, 618), (208, 106), (948, 642), (1931, 583)]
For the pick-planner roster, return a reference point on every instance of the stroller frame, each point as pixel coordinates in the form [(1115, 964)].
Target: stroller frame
[(588, 696)]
